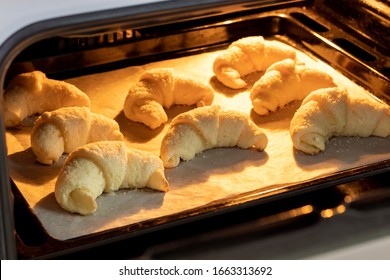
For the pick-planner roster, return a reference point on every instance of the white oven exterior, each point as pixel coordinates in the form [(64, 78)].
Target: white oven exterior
[(21, 13)]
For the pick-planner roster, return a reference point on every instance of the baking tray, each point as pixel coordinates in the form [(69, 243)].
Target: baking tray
[(310, 38)]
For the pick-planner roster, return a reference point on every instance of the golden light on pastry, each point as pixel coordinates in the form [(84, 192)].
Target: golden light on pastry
[(248, 55), (63, 130), (33, 93), (286, 81), (336, 112), (161, 88)]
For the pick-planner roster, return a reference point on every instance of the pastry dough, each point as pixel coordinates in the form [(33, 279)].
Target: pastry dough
[(207, 127), (33, 93), (335, 112), (161, 88), (284, 82), (105, 166), (248, 55), (63, 130)]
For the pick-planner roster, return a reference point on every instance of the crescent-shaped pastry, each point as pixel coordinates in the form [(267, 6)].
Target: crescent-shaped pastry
[(63, 130), (208, 127), (248, 55), (161, 88), (33, 93), (284, 82), (105, 166), (336, 112)]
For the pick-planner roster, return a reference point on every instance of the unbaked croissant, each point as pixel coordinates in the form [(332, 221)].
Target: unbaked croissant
[(248, 55), (105, 166), (336, 112), (161, 88), (33, 93), (207, 127), (63, 130), (284, 82)]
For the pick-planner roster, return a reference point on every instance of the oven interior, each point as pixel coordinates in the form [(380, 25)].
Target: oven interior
[(350, 36)]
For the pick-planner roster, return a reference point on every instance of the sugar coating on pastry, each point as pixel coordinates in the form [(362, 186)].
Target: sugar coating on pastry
[(208, 127), (159, 89), (337, 112), (248, 55), (104, 167), (286, 81), (63, 130), (33, 93)]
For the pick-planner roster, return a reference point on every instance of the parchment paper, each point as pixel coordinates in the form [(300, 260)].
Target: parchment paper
[(212, 175)]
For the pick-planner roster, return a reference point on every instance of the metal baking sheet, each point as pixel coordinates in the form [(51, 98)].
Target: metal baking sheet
[(213, 176)]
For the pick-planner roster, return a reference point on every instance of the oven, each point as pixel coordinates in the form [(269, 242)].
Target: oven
[(339, 207)]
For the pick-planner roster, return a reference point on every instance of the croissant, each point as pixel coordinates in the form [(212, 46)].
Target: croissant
[(33, 93), (161, 88), (284, 82), (105, 166), (207, 127), (248, 55), (336, 112), (63, 130)]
